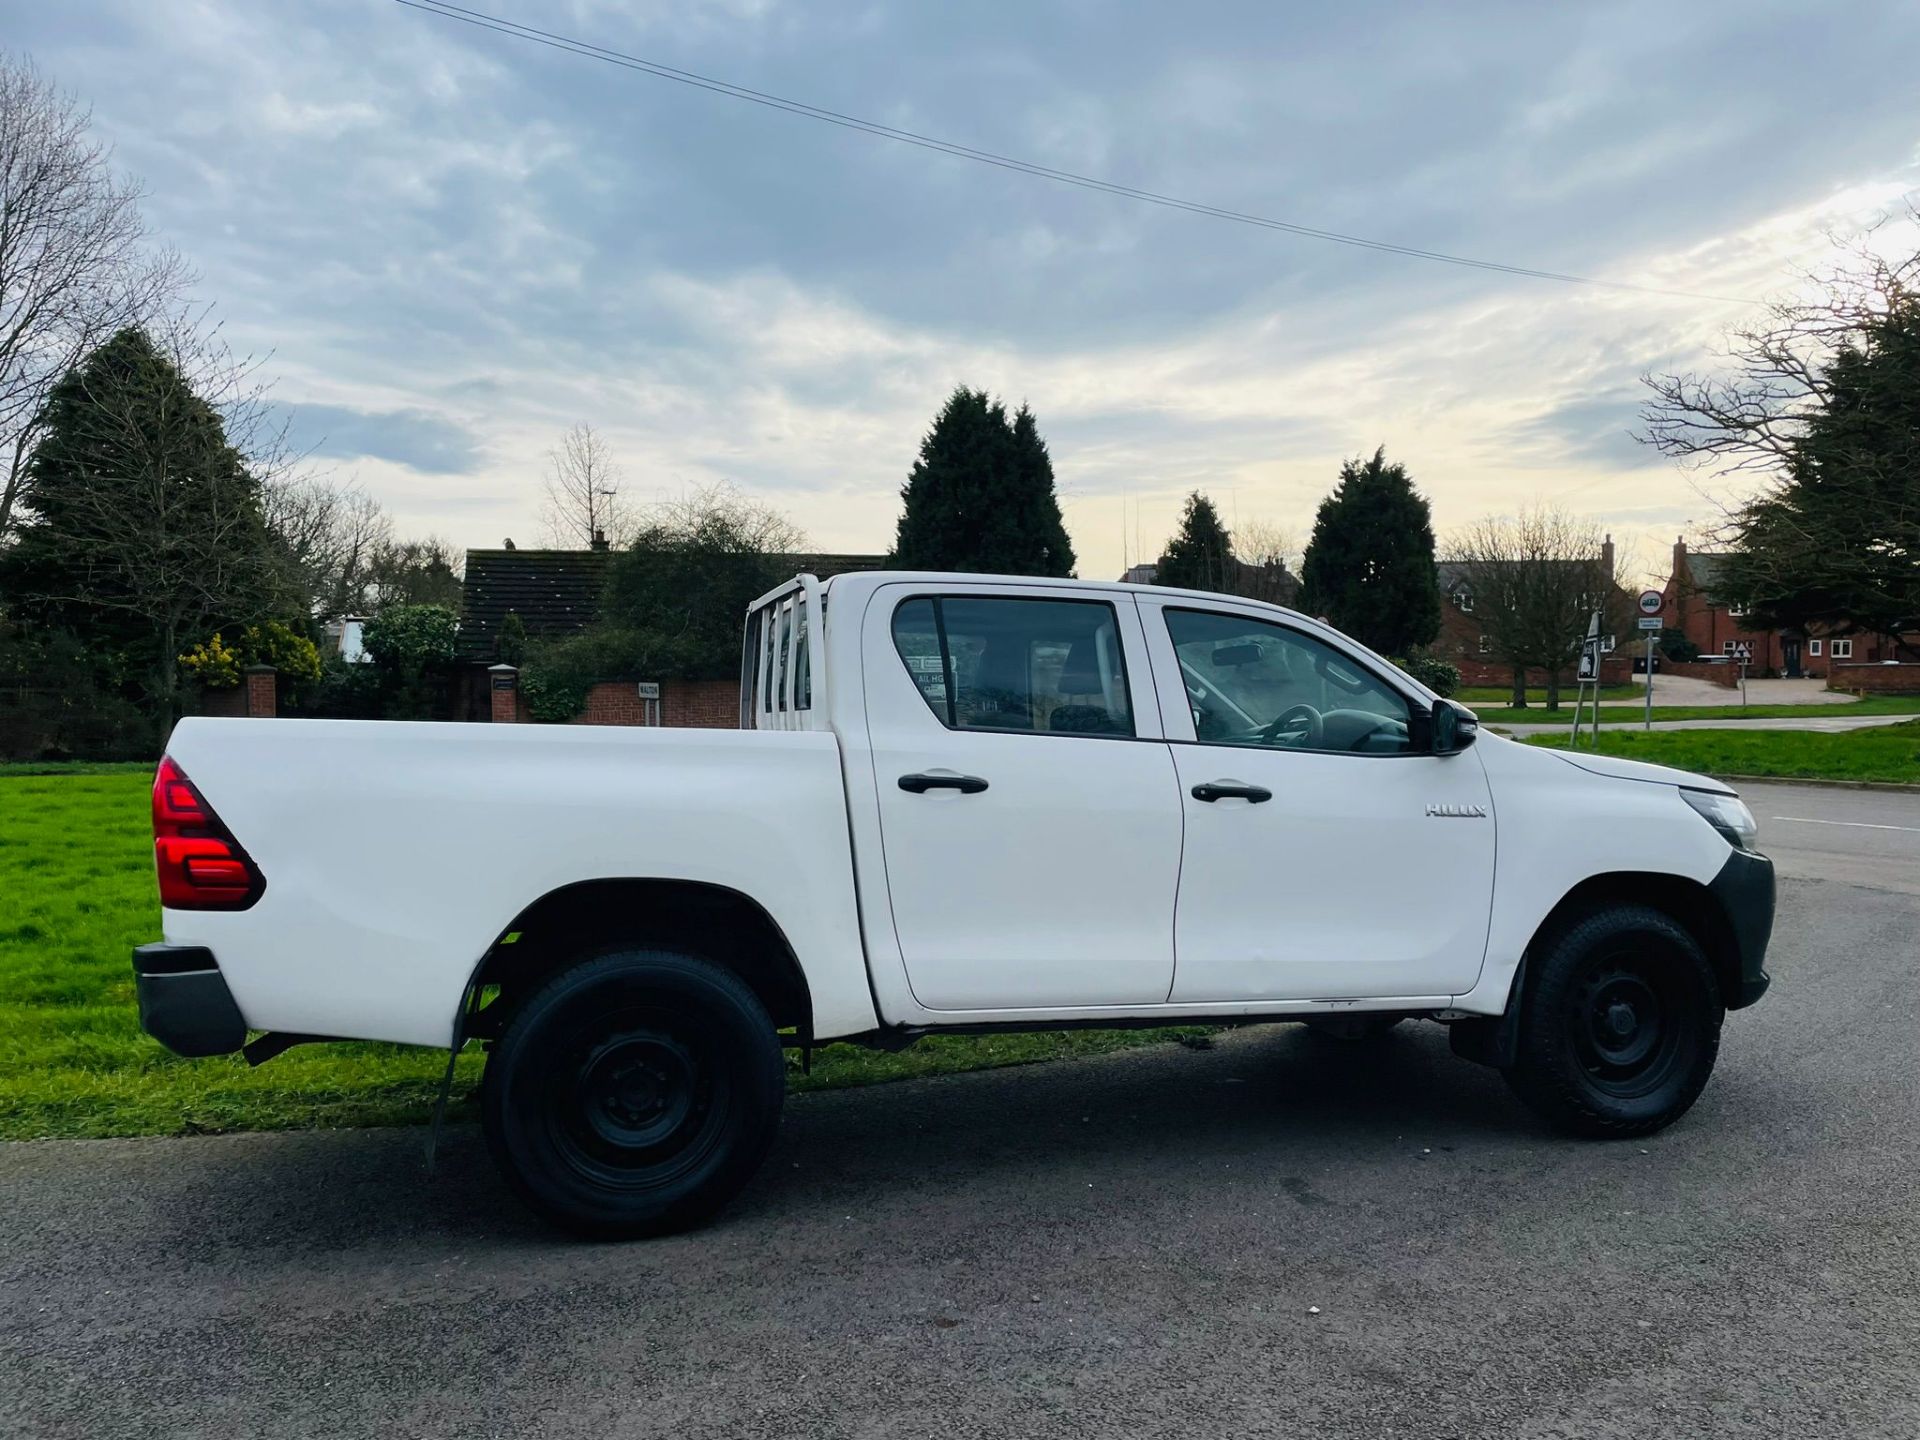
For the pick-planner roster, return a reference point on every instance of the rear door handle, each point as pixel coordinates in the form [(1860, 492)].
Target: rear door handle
[(920, 784), (1230, 790)]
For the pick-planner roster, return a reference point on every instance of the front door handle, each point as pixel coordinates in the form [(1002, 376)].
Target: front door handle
[(1231, 790), (920, 784)]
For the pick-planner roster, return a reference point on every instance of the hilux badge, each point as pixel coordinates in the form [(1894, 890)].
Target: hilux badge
[(1457, 812)]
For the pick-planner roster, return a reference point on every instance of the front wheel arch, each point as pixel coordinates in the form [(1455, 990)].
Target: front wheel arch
[(1493, 1040)]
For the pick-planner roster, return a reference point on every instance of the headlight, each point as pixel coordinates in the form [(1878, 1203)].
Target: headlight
[(1727, 814)]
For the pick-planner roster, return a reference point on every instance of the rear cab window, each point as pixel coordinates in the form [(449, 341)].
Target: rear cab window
[(1039, 666)]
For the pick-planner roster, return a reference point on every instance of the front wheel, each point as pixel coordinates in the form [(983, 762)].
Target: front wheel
[(634, 1094), (1619, 1025)]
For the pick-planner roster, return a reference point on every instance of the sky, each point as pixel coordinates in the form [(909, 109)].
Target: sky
[(451, 245)]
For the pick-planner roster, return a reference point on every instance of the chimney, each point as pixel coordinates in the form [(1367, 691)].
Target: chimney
[(599, 539), (1606, 561), (1679, 558)]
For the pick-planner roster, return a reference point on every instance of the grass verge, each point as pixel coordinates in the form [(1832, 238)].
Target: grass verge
[(76, 871), (1624, 716), (1888, 753)]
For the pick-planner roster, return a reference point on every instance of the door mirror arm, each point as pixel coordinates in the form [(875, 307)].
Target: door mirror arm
[(1451, 727)]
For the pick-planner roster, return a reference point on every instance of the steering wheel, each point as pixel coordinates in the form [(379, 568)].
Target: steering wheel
[(1314, 727)]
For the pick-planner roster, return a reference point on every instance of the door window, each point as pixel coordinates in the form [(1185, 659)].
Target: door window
[(1250, 682), (1049, 666)]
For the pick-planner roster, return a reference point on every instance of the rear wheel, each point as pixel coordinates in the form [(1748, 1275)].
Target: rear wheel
[(1619, 1026), (634, 1094)]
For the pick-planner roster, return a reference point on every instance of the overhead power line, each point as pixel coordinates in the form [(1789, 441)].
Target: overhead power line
[(586, 49)]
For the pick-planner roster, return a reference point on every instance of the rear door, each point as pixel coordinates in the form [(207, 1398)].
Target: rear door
[(1029, 811), (1328, 855)]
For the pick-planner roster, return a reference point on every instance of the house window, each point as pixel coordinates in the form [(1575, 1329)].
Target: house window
[(1606, 644), (1843, 649), (1486, 644), (1463, 597), (1813, 647), (1726, 646)]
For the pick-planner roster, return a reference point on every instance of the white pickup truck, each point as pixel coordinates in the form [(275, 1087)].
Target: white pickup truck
[(955, 803)]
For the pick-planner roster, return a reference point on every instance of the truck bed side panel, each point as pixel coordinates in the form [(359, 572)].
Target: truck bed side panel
[(396, 854)]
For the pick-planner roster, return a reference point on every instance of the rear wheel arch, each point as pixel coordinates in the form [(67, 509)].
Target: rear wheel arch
[(579, 921)]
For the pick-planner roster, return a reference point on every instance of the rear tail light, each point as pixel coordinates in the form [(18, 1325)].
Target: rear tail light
[(200, 865)]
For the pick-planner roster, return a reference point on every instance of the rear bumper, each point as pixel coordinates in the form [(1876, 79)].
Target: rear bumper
[(1744, 888), (184, 1000)]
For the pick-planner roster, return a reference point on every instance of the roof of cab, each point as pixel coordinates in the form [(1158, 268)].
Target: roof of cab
[(864, 580)]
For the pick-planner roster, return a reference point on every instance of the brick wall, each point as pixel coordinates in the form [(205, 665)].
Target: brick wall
[(686, 704), (1873, 679), (1727, 675)]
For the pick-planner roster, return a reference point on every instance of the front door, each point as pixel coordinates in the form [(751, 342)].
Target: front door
[(1790, 656), (1029, 815), (1326, 857)]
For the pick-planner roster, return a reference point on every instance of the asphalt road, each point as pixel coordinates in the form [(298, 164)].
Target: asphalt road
[(1134, 1245)]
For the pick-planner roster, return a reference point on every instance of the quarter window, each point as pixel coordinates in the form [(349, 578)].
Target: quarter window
[(1253, 683), (1049, 666)]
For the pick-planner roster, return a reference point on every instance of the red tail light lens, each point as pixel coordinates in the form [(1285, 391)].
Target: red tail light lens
[(200, 865)]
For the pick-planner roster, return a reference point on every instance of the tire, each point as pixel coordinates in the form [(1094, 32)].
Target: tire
[(1619, 1025), (634, 1094), (1353, 1029)]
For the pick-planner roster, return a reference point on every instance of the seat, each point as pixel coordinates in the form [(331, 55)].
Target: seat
[(1001, 697), (1080, 675)]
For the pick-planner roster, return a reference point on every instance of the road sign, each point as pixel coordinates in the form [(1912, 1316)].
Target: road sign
[(1651, 602), (1649, 622), (1742, 650), (1589, 664), (648, 689)]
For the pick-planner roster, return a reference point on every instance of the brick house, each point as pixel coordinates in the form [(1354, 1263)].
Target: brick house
[(556, 593), (1273, 583), (1695, 607), (1464, 641)]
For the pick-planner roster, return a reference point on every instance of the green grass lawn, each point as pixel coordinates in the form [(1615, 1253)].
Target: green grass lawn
[(1627, 715), (76, 874), (1883, 753)]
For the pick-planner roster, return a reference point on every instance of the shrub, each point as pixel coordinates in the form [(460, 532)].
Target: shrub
[(1675, 645), (217, 664), (1431, 671), (213, 663), (412, 650)]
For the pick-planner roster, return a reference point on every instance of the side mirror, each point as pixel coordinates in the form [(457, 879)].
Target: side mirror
[(1453, 727)]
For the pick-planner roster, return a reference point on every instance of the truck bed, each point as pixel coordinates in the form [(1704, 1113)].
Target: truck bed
[(397, 854)]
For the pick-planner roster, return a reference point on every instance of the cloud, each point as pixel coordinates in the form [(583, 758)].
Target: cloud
[(418, 439), (455, 245)]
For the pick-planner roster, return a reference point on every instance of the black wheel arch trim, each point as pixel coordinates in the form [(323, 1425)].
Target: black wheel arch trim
[(585, 915), (1731, 916)]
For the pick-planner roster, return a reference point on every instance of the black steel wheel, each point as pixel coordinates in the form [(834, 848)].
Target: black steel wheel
[(634, 1094), (1619, 1024)]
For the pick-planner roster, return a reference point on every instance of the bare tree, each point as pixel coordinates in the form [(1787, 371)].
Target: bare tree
[(584, 505), (1533, 580), (719, 517), (1779, 377), (332, 534), (1269, 555), (413, 572), (1818, 407), (74, 264)]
